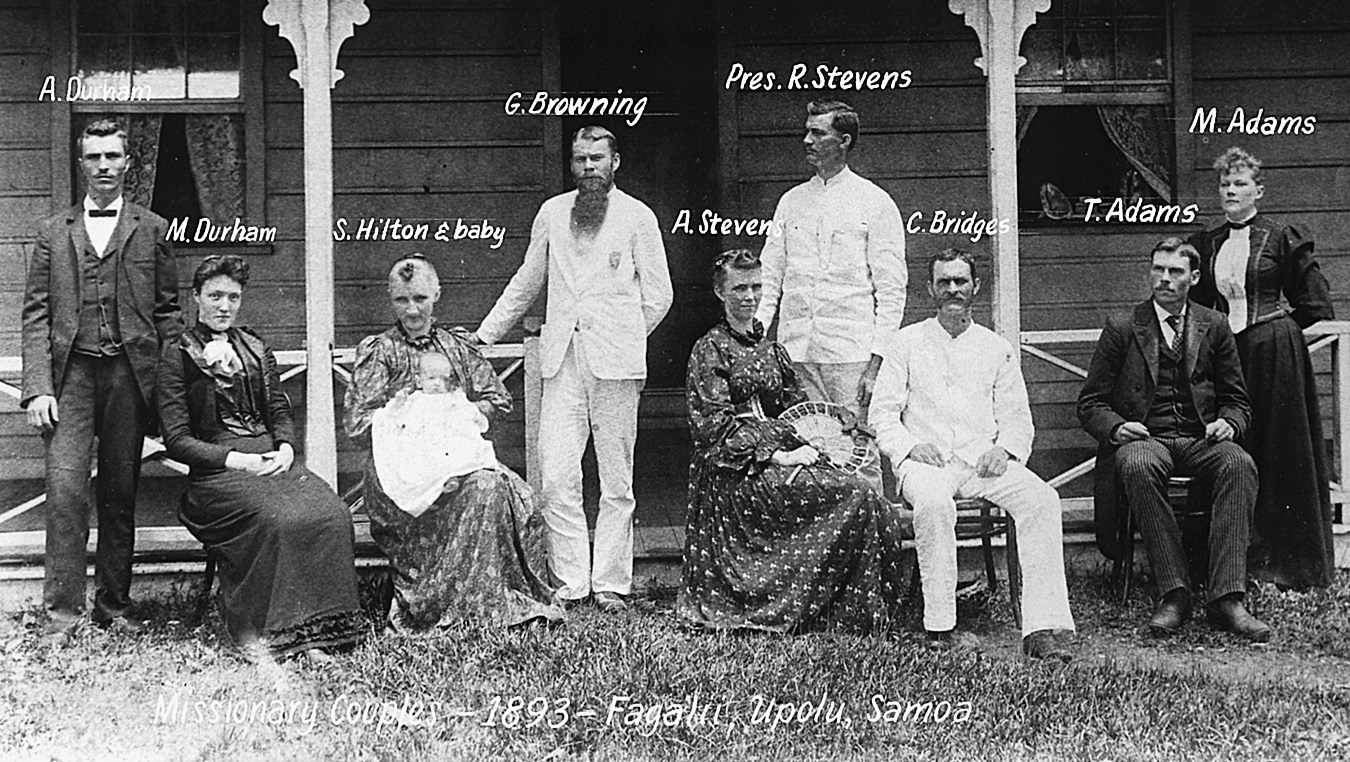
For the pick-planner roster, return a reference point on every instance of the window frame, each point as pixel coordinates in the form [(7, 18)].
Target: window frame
[(249, 105), (1178, 96)]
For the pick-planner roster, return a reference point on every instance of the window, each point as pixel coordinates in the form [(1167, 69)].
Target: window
[(159, 49), (1095, 106), (179, 75)]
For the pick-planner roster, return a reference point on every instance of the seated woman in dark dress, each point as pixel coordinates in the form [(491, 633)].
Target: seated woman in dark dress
[(776, 538), (283, 538)]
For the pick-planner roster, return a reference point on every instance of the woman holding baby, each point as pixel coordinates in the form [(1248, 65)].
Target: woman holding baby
[(283, 538), (468, 543)]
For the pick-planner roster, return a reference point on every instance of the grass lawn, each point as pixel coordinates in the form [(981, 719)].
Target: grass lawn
[(638, 686)]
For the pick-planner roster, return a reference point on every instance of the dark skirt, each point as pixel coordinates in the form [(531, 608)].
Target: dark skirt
[(285, 558), (761, 553), (479, 553), (1291, 541)]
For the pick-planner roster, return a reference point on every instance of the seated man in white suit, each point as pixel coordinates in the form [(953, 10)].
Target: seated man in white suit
[(600, 251), (951, 412)]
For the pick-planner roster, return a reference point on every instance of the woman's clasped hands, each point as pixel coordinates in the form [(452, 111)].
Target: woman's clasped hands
[(262, 464)]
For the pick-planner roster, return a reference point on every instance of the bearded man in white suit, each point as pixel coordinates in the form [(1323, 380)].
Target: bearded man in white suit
[(601, 254)]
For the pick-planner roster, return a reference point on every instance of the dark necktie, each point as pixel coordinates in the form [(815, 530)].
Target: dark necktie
[(1175, 322), (102, 212), (1237, 225)]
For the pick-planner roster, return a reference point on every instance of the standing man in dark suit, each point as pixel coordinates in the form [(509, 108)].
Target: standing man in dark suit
[(102, 296), (1165, 395)]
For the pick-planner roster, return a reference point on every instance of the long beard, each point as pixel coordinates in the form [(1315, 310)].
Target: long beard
[(588, 212)]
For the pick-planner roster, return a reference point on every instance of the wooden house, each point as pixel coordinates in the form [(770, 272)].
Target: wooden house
[(453, 116)]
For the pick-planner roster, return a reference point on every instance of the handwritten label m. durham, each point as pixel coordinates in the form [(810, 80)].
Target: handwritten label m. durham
[(1207, 121), (209, 232)]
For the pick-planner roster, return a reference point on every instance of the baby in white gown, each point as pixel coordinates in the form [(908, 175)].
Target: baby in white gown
[(421, 441)]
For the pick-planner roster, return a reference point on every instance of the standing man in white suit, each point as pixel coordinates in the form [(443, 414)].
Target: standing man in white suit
[(600, 251), (834, 270)]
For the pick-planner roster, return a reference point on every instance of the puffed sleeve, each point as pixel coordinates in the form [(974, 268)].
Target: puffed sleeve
[(738, 444), (1302, 281), (793, 391), (369, 387), (480, 380)]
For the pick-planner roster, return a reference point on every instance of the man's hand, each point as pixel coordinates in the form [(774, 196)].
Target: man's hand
[(1131, 431), (994, 462), (866, 381), (927, 454), (1220, 431), (802, 456), (42, 413)]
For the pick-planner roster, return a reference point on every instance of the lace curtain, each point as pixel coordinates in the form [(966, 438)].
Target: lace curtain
[(1144, 135), (215, 146)]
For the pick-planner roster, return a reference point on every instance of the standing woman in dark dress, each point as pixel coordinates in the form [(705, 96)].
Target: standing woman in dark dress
[(1246, 265), (776, 539), (283, 538)]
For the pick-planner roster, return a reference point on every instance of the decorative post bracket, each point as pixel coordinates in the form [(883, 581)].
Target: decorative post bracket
[(976, 14), (289, 17)]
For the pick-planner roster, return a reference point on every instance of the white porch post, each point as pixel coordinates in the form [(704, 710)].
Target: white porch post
[(317, 29), (999, 25)]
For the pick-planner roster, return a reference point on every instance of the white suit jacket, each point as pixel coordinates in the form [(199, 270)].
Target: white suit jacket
[(836, 257), (607, 294)]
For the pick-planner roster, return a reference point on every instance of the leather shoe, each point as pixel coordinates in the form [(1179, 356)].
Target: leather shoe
[(610, 603), (123, 624), (57, 639), (1042, 644), (948, 640), (1229, 614), (1172, 612)]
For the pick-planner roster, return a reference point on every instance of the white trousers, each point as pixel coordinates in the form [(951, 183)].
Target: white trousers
[(838, 383), (1032, 503), (576, 406)]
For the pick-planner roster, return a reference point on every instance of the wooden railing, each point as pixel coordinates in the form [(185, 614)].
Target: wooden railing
[(1328, 336), (519, 357), (1331, 336)]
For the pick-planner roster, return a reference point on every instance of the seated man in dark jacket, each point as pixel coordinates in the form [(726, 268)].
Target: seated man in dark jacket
[(1165, 395)]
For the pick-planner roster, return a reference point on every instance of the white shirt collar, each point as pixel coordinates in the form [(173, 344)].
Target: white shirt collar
[(116, 205), (843, 176), (1163, 314), (1248, 218)]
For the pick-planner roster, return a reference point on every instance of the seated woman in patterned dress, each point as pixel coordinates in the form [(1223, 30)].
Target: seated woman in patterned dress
[(777, 539), (283, 538), (478, 553)]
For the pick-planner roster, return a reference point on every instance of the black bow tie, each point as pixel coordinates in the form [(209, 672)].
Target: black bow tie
[(101, 212), (1237, 225)]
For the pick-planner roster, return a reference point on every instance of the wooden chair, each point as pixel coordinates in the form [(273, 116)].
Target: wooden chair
[(977, 518), (1187, 506)]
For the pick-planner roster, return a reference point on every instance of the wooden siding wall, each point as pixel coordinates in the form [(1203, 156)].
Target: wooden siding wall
[(1289, 59), (28, 130), (419, 134), (926, 146)]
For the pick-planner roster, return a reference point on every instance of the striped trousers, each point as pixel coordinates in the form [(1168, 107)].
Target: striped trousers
[(1226, 472)]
